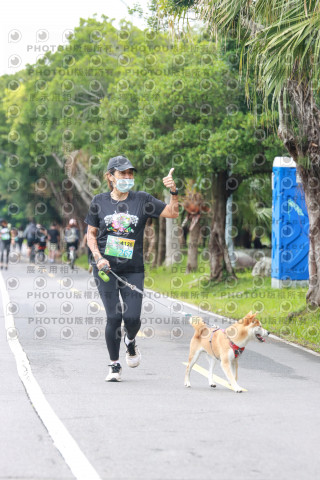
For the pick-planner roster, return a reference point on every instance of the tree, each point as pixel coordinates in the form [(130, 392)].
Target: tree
[(280, 44), (51, 123), (192, 117), (22, 185)]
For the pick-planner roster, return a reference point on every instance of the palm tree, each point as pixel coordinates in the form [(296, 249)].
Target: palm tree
[(280, 47)]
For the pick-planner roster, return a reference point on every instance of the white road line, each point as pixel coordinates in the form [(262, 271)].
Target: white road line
[(217, 379), (63, 441), (300, 347)]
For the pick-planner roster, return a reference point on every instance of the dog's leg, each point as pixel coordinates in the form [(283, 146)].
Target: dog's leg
[(212, 362), (226, 363), (193, 357), (236, 369)]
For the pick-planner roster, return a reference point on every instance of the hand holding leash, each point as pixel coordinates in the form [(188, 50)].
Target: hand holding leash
[(102, 262), (103, 272)]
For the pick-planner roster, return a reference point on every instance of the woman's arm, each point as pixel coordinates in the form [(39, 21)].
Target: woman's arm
[(93, 245), (172, 209)]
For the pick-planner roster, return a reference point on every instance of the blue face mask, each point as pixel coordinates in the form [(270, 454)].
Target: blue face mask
[(124, 184)]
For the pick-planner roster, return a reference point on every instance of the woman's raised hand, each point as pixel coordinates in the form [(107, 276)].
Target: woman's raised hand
[(169, 182)]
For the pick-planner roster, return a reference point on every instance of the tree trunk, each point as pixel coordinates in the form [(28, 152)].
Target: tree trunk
[(219, 255), (83, 181), (304, 148), (312, 196), (161, 241), (146, 237), (192, 264), (172, 237), (152, 247)]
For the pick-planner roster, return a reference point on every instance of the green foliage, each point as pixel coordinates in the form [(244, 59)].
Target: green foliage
[(109, 92), (58, 103), (279, 40), (253, 206), (192, 117)]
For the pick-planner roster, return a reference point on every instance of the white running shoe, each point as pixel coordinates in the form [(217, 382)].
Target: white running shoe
[(133, 355), (114, 374)]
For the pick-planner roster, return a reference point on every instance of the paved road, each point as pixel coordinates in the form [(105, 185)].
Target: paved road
[(149, 426)]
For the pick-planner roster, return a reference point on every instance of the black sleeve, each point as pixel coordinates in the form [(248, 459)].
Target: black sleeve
[(92, 217), (153, 207)]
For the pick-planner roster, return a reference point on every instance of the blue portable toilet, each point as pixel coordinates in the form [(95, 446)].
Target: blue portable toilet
[(290, 226)]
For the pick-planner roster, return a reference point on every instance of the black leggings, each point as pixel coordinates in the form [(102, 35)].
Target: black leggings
[(5, 247), (129, 313)]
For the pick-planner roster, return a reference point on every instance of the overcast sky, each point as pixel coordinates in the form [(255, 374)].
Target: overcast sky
[(28, 26)]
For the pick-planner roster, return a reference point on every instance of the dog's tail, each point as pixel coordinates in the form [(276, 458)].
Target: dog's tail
[(198, 324)]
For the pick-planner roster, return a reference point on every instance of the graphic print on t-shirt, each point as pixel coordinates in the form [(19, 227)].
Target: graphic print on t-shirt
[(121, 223)]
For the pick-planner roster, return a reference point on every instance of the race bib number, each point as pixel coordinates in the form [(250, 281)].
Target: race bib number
[(119, 247)]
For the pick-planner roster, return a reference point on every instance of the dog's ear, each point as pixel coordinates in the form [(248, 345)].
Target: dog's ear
[(256, 320), (247, 319), (252, 315)]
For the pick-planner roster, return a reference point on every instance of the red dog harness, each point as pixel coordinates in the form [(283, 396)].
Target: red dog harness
[(236, 350)]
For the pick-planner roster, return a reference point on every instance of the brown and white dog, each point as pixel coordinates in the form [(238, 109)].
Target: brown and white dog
[(224, 345)]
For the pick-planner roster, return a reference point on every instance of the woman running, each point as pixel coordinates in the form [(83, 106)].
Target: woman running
[(116, 222)]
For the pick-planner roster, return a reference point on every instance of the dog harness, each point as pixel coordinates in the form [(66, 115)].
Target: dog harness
[(236, 350)]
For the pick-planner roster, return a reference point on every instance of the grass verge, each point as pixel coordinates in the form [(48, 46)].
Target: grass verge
[(82, 261), (281, 311)]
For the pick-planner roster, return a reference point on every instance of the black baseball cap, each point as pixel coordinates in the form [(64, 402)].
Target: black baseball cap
[(120, 163)]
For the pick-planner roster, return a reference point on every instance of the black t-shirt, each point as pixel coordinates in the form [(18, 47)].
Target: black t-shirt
[(54, 235), (124, 219), (41, 237)]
